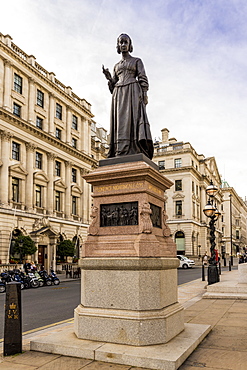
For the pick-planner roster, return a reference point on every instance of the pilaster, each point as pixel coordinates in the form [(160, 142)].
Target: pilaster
[(5, 154), (7, 86), (50, 187)]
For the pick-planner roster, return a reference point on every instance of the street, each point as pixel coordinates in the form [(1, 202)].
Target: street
[(46, 305), (51, 304)]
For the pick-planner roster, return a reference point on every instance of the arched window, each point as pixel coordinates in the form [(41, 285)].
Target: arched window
[(180, 242)]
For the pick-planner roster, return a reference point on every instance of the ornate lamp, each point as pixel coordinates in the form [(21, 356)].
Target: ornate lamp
[(213, 213)]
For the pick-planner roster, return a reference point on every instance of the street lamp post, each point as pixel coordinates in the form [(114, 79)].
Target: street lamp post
[(213, 213), (20, 247), (231, 257)]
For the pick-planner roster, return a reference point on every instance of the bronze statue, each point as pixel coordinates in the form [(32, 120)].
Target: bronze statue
[(129, 130)]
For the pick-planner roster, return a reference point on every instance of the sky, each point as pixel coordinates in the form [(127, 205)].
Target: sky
[(195, 57)]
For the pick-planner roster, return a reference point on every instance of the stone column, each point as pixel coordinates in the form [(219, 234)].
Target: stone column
[(31, 101), (68, 125), (51, 114), (7, 86), (4, 178), (30, 148), (50, 188), (85, 206), (67, 209)]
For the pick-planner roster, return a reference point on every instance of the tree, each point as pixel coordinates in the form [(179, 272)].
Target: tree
[(66, 248), (24, 245)]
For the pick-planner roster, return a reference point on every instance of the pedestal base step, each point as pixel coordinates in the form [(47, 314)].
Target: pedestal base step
[(163, 356)]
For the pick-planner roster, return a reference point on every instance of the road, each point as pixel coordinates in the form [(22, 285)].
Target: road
[(48, 305)]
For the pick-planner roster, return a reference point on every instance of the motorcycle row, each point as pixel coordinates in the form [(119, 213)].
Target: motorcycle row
[(32, 279)]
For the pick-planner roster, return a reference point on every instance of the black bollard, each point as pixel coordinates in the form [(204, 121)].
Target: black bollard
[(219, 268), (225, 261), (203, 272), (230, 266), (13, 320)]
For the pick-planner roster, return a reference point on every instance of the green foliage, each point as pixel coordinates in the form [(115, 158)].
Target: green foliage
[(24, 245), (66, 248)]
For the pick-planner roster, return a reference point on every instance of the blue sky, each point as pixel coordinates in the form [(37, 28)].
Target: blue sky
[(194, 52)]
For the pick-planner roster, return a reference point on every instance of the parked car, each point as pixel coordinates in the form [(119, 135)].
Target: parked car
[(185, 262)]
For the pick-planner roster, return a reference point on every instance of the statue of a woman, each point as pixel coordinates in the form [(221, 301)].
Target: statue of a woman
[(129, 130)]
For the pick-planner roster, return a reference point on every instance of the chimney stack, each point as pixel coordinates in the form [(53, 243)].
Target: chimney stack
[(165, 135)]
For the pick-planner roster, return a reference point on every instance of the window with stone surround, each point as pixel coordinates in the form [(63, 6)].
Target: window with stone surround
[(74, 122), (178, 208), (38, 160), (74, 205), (38, 196), (39, 123), (18, 83), (15, 189), (15, 151), (177, 162), (58, 196), (57, 168), (74, 142), (40, 98), (58, 111), (74, 174), (17, 110), (58, 133), (161, 165), (178, 185)]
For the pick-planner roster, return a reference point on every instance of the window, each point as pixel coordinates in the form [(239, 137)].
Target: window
[(74, 122), (58, 168), (39, 123), (178, 209), (193, 186), (74, 205), (15, 151), (58, 111), (58, 201), (74, 175), (40, 98), (237, 234), (58, 133), (196, 189), (222, 218), (38, 161), (178, 185), (17, 110), (223, 230), (38, 196), (15, 189), (161, 165), (74, 142), (177, 162), (18, 83)]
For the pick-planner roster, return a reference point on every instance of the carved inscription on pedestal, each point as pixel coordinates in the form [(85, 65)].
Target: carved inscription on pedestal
[(119, 214)]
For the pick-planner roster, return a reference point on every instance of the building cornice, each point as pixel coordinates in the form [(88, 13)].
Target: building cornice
[(66, 148), (53, 85)]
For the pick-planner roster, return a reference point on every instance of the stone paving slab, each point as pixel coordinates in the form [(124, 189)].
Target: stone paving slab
[(224, 348)]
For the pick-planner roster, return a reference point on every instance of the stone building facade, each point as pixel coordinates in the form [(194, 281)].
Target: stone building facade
[(190, 173), (234, 221), (45, 146)]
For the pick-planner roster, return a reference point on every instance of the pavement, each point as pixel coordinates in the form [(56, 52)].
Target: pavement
[(225, 347)]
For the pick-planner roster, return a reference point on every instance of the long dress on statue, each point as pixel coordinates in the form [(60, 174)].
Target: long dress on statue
[(129, 130)]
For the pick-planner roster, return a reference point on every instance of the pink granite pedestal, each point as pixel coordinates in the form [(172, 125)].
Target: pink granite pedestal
[(129, 264)]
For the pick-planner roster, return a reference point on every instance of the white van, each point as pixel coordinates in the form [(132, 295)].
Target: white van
[(185, 262)]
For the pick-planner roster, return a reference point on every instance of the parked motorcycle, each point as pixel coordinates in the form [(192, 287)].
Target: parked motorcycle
[(46, 278), (37, 275), (54, 278), (34, 281)]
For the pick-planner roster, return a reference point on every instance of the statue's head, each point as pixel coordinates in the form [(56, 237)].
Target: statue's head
[(124, 35)]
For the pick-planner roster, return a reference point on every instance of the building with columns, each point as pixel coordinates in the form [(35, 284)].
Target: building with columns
[(234, 221), (45, 146), (190, 173)]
